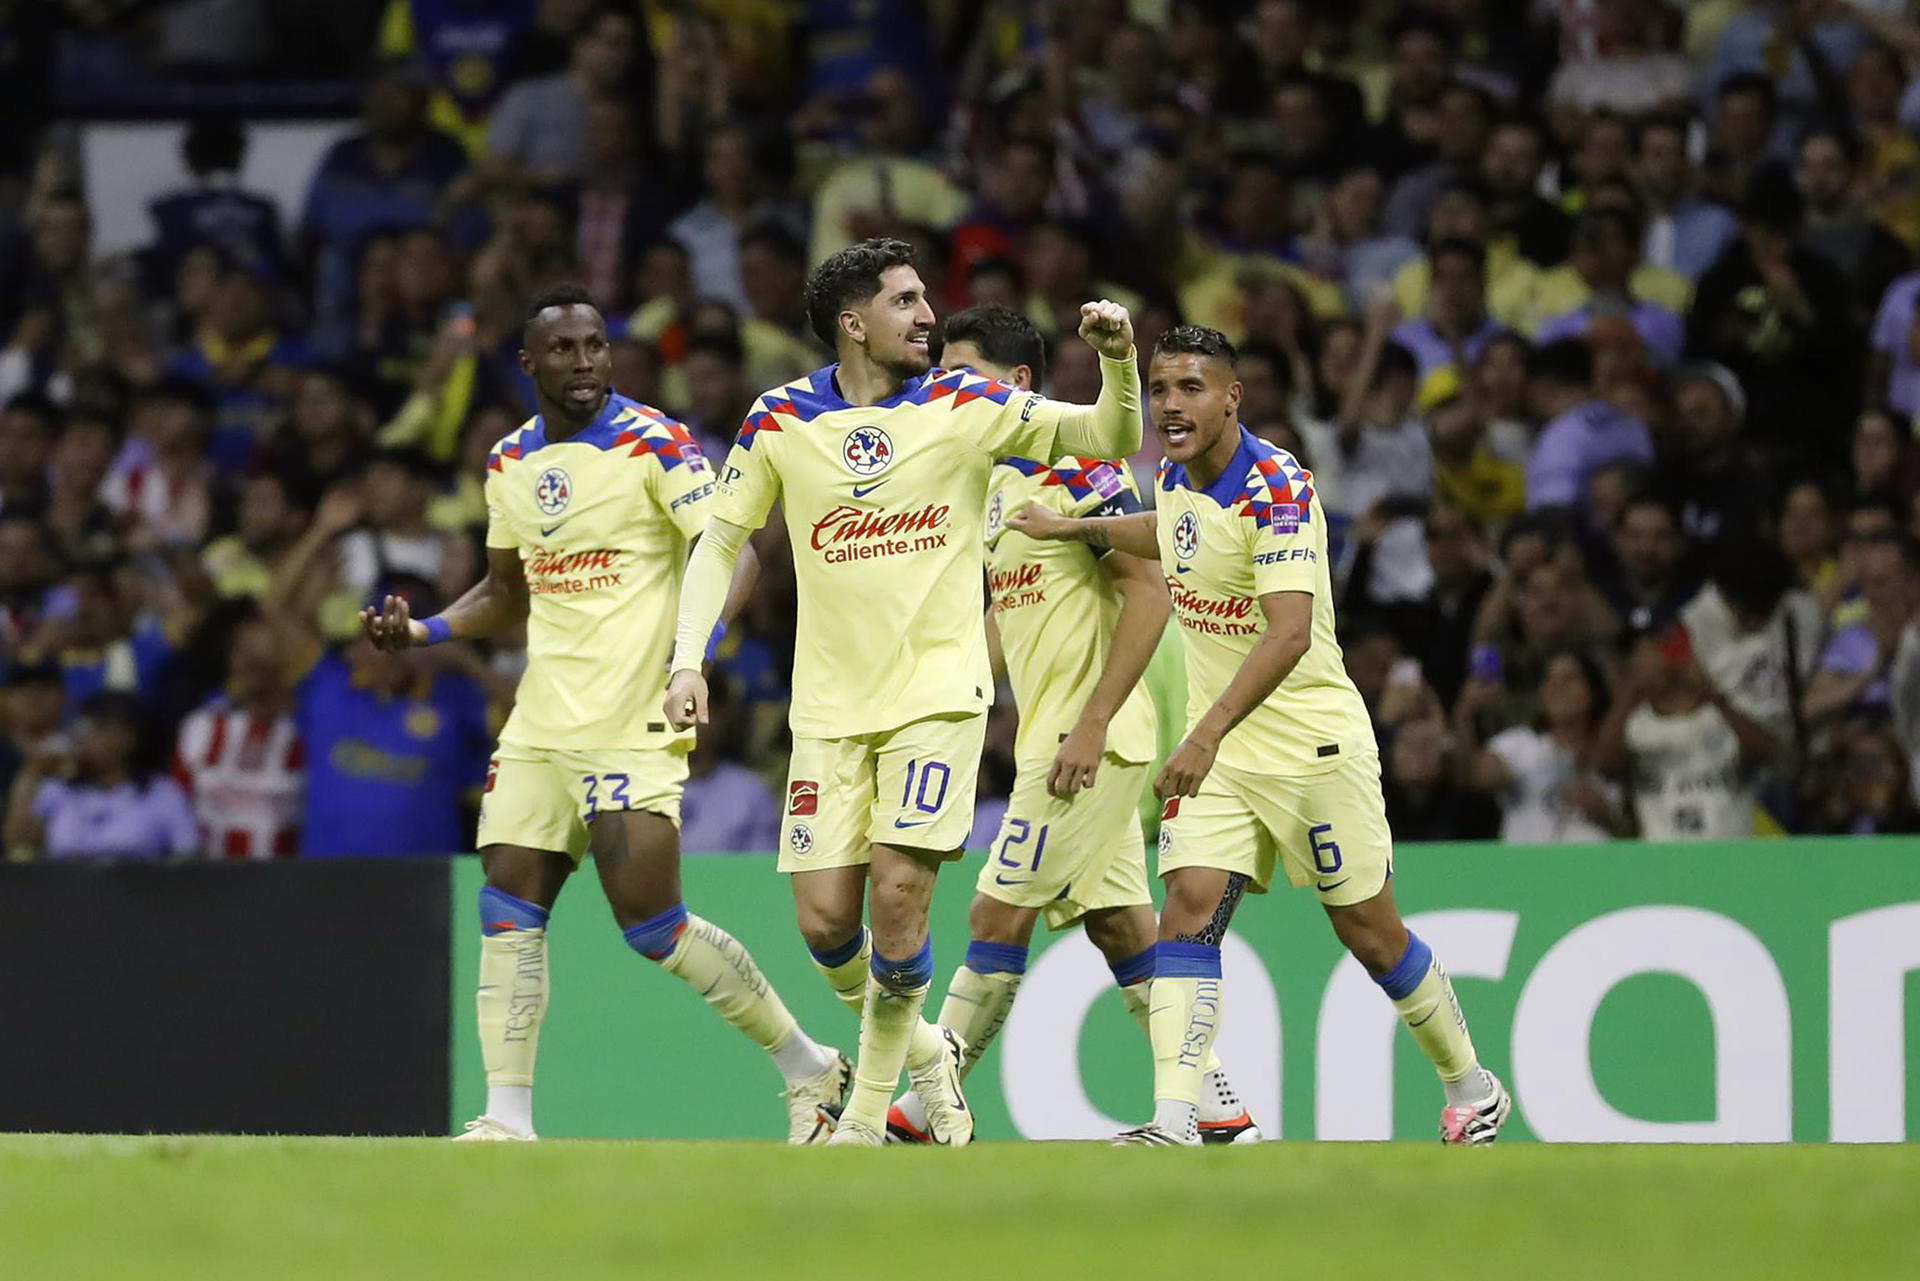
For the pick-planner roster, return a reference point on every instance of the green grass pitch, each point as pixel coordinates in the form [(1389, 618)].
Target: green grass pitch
[(209, 1208)]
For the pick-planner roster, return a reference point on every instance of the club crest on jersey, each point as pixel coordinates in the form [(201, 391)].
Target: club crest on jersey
[(800, 838), (1186, 536), (553, 491), (995, 511), (867, 451)]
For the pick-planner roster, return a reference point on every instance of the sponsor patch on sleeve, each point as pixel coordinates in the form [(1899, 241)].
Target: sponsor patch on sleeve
[(1286, 518), (1105, 480)]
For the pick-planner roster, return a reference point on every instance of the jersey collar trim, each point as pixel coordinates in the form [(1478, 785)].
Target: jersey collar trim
[(601, 433), (1229, 486)]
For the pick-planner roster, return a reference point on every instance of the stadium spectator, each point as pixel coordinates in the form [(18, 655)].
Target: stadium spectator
[(243, 226), (1630, 75), (1684, 232), (1463, 116), (711, 230), (394, 536), (1852, 675), (1858, 788), (394, 172), (1687, 749), (1581, 432), (240, 757), (537, 135), (1510, 166), (623, 205), (727, 808), (102, 800), (1707, 473), (1426, 801), (1649, 581), (1838, 224), (1542, 773), (160, 489), (1604, 278), (33, 703), (1456, 326), (889, 179), (29, 425)]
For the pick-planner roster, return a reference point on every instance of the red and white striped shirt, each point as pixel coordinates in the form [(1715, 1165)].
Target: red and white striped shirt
[(247, 775)]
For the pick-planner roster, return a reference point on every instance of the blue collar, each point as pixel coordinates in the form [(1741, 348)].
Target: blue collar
[(599, 433), (827, 385), (1230, 483)]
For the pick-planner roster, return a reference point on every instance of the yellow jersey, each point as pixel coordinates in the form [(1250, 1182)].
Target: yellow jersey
[(885, 506), (602, 522), (1056, 608), (1259, 528)]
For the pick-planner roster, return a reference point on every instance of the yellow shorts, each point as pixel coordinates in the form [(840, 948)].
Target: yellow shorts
[(1073, 856), (544, 800), (910, 787), (1329, 829)]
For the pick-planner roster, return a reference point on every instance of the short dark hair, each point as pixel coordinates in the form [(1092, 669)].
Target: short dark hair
[(1003, 336), (852, 275), (1750, 82), (1844, 138), (1196, 340), (1459, 247), (1568, 361), (570, 294), (723, 345)]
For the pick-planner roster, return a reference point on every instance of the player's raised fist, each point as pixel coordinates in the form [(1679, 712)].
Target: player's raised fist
[(686, 703), (1036, 521), (392, 627), (1107, 328)]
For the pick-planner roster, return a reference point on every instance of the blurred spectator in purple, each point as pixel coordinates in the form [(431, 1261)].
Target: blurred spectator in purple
[(1582, 433), (1456, 326), (1684, 233), (727, 808), (103, 801), (1852, 675), (1600, 274)]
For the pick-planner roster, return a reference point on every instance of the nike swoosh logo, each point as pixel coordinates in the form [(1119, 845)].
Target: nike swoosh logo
[(1336, 885), (549, 532), (861, 491), (901, 822), (1002, 880), (1181, 569), (1430, 1013)]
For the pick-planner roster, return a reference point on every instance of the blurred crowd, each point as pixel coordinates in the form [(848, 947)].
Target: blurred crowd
[(1597, 322)]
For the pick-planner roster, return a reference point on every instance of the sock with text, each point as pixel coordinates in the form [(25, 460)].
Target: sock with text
[(1183, 1018), (512, 1001), (1423, 994), (980, 994)]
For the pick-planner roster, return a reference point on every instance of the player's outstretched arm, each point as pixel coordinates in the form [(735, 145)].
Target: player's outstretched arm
[(1144, 607), (1132, 533), (703, 596), (489, 607), (1289, 633), (1111, 426)]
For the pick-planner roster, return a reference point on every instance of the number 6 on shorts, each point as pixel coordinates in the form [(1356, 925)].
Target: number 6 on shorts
[(1326, 854)]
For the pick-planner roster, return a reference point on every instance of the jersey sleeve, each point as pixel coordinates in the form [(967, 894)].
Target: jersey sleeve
[(748, 486), (682, 482), (1097, 487), (1280, 513), (499, 533)]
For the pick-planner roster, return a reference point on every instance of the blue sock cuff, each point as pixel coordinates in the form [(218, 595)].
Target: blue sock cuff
[(1411, 969), (996, 958), (904, 976), (501, 911), (839, 956), (655, 938), (1186, 961), (1134, 969)]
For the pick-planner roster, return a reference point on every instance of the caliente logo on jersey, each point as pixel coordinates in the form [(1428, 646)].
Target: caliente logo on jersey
[(1186, 536), (553, 491), (867, 451)]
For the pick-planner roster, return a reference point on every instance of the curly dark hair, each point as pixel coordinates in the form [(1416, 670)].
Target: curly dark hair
[(1005, 337), (852, 275)]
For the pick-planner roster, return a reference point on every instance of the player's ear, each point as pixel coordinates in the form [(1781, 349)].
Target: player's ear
[(1022, 377), (526, 363), (1234, 391), (853, 325)]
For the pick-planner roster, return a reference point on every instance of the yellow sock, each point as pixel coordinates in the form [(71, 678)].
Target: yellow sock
[(845, 970), (512, 1000), (1134, 997), (1433, 1015), (976, 1008), (888, 1027), (715, 965)]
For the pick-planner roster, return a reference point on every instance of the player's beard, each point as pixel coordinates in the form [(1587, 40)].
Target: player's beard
[(907, 361)]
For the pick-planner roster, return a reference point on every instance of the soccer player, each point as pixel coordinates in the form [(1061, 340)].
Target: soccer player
[(1078, 626), (881, 465), (1279, 762), (590, 507)]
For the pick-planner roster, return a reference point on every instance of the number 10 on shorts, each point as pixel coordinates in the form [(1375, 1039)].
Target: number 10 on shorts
[(930, 775)]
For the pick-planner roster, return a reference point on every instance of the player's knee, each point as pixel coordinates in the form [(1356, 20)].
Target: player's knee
[(826, 927), (656, 937), (1377, 945), (1121, 934), (898, 909), (501, 911), (991, 921)]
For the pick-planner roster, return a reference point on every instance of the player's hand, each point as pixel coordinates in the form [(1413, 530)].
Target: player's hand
[(1107, 328), (1185, 769), (392, 626), (686, 704), (1043, 523), (1078, 760)]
